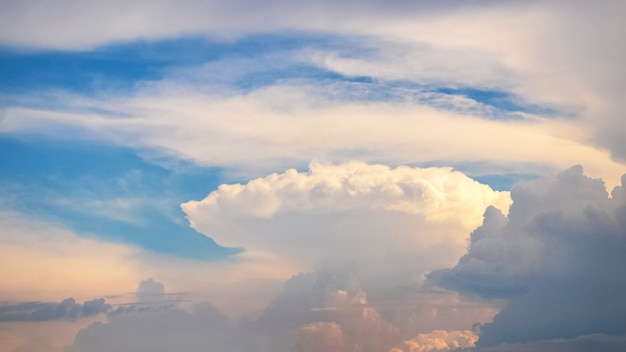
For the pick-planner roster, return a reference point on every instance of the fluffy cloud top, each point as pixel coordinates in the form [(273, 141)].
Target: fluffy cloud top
[(439, 340), (558, 257), (372, 216), (437, 194)]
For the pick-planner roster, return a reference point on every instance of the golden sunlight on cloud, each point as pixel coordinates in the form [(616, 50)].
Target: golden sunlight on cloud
[(439, 340)]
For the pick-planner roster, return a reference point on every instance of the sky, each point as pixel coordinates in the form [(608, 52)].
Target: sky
[(297, 176)]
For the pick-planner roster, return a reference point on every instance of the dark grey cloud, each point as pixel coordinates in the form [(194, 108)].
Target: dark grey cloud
[(587, 343), (558, 257), (46, 311)]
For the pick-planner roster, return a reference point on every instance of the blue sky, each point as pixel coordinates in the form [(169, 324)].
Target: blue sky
[(278, 172), (75, 182), (121, 66)]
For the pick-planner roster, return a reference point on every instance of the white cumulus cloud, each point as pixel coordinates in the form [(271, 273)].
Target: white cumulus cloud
[(389, 222)]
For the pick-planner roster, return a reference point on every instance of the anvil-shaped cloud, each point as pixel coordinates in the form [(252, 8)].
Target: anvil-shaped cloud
[(392, 223)]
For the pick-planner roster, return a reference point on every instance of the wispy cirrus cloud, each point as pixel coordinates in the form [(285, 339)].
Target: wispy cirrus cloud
[(272, 127)]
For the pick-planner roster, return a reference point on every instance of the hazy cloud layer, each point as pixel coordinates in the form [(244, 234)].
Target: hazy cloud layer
[(316, 312), (557, 257), (44, 311), (165, 329), (120, 21), (586, 343)]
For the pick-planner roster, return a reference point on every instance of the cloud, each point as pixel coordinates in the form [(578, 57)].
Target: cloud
[(316, 311), (165, 329), (391, 223), (420, 61), (439, 340), (320, 336), (290, 123), (150, 324), (120, 21), (574, 66), (596, 342), (342, 296), (43, 311), (556, 257), (553, 55), (149, 291), (37, 336)]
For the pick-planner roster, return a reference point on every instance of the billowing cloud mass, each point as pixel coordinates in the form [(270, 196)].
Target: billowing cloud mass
[(557, 257), (392, 224)]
